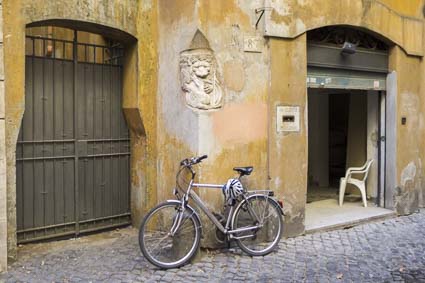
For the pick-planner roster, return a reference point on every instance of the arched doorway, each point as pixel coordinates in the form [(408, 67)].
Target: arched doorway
[(347, 71), (73, 152)]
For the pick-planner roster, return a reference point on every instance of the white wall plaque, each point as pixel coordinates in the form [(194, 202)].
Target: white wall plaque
[(375, 84), (253, 44), (288, 118)]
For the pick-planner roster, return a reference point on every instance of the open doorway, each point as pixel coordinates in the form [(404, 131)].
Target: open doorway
[(345, 127), (343, 133), (344, 130), (347, 119)]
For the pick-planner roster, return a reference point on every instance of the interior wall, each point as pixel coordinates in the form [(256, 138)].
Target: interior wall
[(339, 102), (356, 139), (318, 139), (362, 136)]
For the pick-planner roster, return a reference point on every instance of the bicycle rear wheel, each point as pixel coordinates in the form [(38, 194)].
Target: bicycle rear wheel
[(159, 246), (263, 211)]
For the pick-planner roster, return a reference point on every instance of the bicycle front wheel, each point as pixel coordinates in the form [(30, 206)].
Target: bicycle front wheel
[(157, 243), (258, 210)]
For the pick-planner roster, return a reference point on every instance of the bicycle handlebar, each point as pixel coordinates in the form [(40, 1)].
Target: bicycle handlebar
[(199, 159), (193, 160)]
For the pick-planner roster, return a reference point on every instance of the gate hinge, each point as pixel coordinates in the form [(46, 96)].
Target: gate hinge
[(382, 139)]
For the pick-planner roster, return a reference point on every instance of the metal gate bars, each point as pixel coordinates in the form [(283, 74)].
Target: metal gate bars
[(73, 148)]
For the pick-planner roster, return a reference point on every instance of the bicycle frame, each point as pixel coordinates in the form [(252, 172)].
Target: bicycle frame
[(171, 232), (224, 229), (187, 164)]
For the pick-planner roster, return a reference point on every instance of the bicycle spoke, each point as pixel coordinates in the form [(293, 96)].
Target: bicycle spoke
[(262, 240), (185, 231), (158, 243), (159, 246)]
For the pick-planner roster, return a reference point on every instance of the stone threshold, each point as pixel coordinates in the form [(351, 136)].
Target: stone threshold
[(327, 215)]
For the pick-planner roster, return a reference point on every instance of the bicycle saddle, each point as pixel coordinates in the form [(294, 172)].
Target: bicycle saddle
[(244, 170)]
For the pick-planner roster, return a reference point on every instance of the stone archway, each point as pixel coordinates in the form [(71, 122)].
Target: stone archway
[(289, 88), (73, 152), (67, 13), (373, 15)]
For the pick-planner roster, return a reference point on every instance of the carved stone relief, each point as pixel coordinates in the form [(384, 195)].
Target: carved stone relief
[(198, 73)]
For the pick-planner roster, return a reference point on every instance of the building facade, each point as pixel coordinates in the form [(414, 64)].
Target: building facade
[(241, 81)]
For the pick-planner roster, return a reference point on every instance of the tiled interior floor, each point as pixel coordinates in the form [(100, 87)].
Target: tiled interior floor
[(322, 193)]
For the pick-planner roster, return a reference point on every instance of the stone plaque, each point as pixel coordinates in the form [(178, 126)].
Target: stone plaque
[(288, 118), (253, 44)]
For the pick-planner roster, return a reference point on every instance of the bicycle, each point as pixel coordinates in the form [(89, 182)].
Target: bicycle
[(170, 233)]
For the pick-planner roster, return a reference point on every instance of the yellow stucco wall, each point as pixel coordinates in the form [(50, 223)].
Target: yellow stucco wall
[(124, 20), (288, 151), (401, 26), (412, 8), (293, 17), (409, 144), (236, 134), (243, 132), (14, 50)]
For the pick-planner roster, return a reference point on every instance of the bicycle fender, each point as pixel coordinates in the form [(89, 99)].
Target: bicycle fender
[(278, 205), (270, 198), (192, 211)]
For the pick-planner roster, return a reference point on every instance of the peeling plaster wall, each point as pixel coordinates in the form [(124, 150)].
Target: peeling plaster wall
[(177, 124), (243, 132), (141, 102), (291, 18), (288, 151), (14, 52), (236, 134), (412, 8), (255, 83), (118, 19), (113, 13), (409, 162)]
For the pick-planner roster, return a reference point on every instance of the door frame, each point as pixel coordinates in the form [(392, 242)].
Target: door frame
[(390, 140), (381, 149)]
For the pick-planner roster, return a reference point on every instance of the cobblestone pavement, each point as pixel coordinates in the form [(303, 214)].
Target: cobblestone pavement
[(388, 251)]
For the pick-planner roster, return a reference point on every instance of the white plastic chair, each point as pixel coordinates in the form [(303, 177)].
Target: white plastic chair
[(360, 184)]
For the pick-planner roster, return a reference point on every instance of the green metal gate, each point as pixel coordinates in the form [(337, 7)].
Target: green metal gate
[(73, 148)]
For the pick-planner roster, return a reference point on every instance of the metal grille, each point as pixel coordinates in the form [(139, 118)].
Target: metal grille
[(73, 148)]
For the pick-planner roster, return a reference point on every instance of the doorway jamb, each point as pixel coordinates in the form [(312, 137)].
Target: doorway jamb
[(391, 140)]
